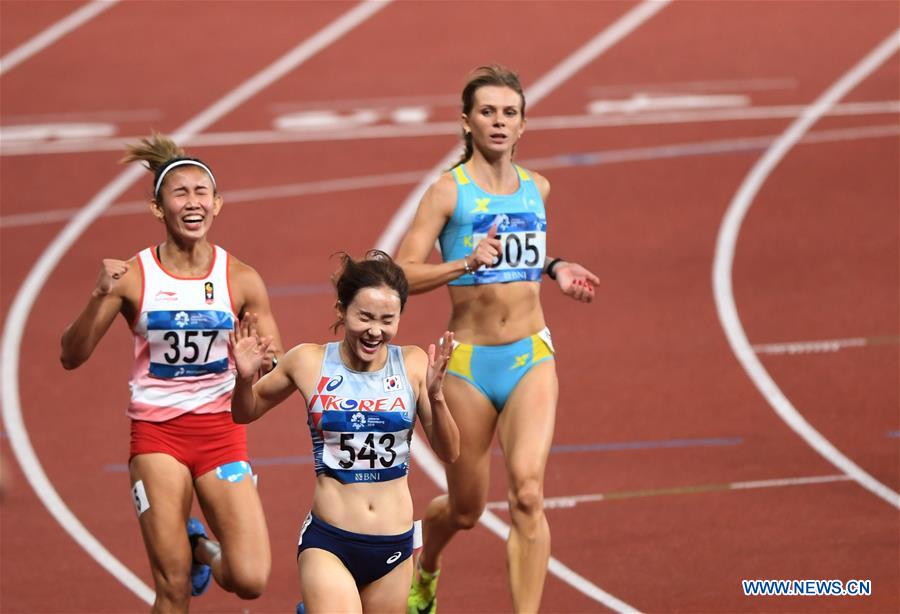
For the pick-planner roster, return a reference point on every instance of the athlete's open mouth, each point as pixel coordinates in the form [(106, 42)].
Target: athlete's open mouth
[(370, 346)]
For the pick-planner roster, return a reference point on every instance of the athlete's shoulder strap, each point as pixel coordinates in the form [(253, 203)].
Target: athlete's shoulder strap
[(459, 175)]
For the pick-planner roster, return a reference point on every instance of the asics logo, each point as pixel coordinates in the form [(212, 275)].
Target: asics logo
[(394, 557)]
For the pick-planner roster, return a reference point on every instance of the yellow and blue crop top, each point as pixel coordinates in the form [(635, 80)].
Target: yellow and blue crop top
[(521, 227)]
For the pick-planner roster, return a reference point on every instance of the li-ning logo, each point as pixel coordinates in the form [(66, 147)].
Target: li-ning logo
[(358, 420), (394, 557), (165, 295)]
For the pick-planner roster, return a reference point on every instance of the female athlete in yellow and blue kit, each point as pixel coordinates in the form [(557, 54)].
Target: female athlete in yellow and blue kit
[(489, 216)]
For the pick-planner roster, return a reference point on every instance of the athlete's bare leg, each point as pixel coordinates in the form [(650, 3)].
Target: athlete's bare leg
[(241, 560), (388, 593), (167, 484), (327, 586), (525, 431), (467, 478)]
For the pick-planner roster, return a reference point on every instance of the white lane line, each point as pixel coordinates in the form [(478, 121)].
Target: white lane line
[(383, 102), (111, 115), (821, 346), (406, 131), (43, 268), (724, 260), (706, 87), (264, 195), (390, 238), (54, 33), (42, 132), (643, 103), (248, 195), (878, 107), (568, 502)]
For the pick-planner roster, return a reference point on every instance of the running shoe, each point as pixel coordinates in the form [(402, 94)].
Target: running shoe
[(422, 594), (300, 608), (200, 573)]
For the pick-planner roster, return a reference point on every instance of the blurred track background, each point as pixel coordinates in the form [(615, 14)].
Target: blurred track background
[(748, 255)]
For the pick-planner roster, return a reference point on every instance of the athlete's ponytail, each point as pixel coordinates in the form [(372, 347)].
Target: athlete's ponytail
[(159, 155)]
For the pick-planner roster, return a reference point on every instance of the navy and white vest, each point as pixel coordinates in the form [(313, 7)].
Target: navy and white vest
[(361, 423)]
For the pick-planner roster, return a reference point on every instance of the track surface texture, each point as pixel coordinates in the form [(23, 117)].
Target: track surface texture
[(672, 477)]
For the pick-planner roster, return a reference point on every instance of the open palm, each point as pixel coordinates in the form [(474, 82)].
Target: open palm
[(438, 361), (248, 348)]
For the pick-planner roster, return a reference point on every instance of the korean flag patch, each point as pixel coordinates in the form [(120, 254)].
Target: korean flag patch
[(392, 383)]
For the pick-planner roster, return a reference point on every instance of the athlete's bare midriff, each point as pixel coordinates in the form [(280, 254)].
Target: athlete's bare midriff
[(496, 314), (383, 508)]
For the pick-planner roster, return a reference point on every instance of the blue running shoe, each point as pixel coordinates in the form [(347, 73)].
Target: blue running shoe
[(300, 608), (200, 573)]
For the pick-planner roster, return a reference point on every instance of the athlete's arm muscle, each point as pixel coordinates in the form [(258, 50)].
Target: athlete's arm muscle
[(117, 290), (295, 370), (251, 297), (435, 209), (432, 410)]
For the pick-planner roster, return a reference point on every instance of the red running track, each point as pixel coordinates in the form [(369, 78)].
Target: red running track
[(655, 412)]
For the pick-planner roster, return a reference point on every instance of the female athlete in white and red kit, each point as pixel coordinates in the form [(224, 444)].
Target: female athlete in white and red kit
[(181, 298)]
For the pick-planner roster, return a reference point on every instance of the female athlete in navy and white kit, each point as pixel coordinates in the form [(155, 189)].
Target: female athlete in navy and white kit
[(489, 216), (363, 396), (181, 299)]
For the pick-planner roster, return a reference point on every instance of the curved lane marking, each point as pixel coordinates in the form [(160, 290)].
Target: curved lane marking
[(724, 261), (42, 269)]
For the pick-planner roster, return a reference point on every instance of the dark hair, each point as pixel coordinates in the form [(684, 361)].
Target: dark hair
[(493, 74), (375, 270), (157, 152)]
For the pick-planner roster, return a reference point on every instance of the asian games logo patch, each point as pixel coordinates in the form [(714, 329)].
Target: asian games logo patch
[(182, 319), (358, 420), (392, 383)]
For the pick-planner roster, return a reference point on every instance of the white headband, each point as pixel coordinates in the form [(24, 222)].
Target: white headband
[(162, 175)]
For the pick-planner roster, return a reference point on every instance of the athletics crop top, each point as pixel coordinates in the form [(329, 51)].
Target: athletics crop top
[(521, 227), (361, 422)]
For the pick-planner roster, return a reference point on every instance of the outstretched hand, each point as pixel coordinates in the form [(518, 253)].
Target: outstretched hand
[(576, 281), (248, 347), (438, 360)]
